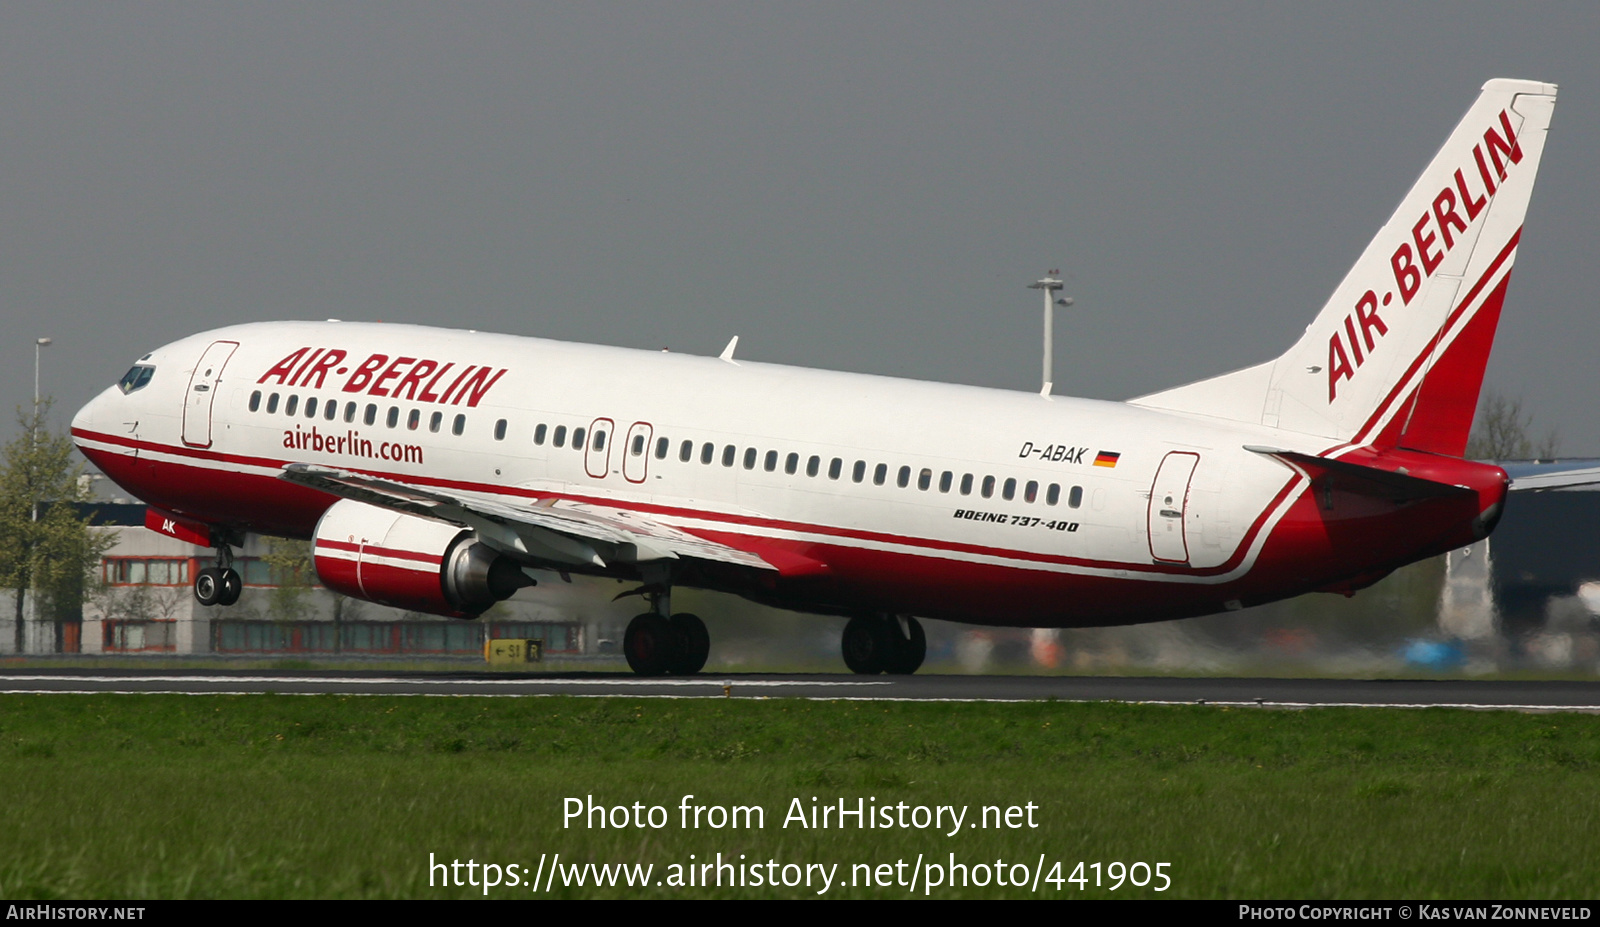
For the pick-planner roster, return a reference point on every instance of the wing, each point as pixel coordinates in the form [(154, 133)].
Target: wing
[(547, 530)]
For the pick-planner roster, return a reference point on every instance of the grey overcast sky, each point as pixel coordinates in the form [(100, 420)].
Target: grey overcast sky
[(863, 187)]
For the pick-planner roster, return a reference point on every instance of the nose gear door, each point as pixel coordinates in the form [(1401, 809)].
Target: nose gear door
[(202, 392)]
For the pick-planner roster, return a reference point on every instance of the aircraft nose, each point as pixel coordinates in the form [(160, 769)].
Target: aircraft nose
[(91, 412), (85, 416)]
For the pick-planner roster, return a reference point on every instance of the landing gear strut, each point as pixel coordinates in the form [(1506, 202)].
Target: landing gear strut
[(891, 644), (220, 584), (656, 644)]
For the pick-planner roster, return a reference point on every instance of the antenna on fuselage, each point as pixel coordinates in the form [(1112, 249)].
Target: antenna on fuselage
[(1050, 284), (727, 352)]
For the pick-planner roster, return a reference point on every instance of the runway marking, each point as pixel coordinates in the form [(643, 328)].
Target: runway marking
[(497, 688), (1477, 706), (708, 681)]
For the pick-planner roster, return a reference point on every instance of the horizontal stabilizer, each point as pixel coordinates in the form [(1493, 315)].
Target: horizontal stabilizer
[(1541, 477), (1360, 478)]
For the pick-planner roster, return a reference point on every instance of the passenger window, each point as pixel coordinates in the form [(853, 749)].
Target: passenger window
[(988, 486), (500, 430), (1031, 491), (272, 403), (599, 439), (835, 467), (771, 463), (966, 484), (859, 471), (435, 422), (944, 481), (290, 404), (707, 452), (813, 465), (561, 436), (791, 463), (1075, 498), (661, 448), (687, 451), (255, 400), (750, 458), (311, 407), (349, 411), (728, 454), (879, 474), (1053, 494), (924, 479), (413, 419), (393, 417), (330, 409), (539, 431), (903, 478), (637, 446), (1009, 491), (577, 439), (459, 426)]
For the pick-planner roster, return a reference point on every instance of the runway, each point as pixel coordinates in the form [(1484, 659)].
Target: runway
[(1267, 693)]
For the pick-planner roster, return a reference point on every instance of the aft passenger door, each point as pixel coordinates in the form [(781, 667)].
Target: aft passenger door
[(1169, 502), (202, 393)]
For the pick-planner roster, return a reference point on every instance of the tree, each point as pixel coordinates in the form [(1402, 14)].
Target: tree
[(1502, 432), (291, 569), (46, 545)]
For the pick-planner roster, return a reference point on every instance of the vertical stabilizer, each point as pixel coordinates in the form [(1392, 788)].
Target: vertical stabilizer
[(1396, 356)]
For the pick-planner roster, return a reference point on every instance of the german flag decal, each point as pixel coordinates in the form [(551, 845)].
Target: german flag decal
[(1106, 458)]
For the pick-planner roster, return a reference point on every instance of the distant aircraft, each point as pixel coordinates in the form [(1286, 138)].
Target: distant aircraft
[(441, 470)]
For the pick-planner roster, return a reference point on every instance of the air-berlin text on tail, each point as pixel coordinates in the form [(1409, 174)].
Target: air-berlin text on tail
[(1432, 236), (417, 379)]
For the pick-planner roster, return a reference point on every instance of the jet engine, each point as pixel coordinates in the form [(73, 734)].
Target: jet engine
[(408, 562)]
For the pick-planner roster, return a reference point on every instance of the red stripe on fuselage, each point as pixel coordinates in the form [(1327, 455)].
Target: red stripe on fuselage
[(178, 490)]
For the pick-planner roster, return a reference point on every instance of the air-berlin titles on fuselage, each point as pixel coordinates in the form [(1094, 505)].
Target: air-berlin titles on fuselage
[(1364, 327), (411, 378)]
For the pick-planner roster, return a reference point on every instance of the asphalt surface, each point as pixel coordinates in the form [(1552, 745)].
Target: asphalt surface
[(1281, 693)]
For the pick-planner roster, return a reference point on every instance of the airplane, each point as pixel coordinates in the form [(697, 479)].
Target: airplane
[(441, 471)]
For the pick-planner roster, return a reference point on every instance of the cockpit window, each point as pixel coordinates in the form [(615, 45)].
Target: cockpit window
[(137, 378)]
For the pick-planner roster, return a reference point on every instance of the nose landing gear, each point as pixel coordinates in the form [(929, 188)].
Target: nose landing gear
[(220, 584), (890, 644)]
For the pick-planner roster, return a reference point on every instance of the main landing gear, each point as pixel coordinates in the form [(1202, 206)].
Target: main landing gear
[(656, 644), (891, 644), (220, 584)]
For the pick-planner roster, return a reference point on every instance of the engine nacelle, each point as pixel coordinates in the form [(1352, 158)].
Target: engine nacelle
[(408, 562)]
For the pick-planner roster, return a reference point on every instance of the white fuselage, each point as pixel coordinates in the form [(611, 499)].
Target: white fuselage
[(880, 486)]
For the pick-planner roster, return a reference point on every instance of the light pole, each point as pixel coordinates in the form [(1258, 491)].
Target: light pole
[(38, 344), (1050, 284)]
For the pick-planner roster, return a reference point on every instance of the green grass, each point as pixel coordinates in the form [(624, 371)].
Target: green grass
[(293, 796)]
